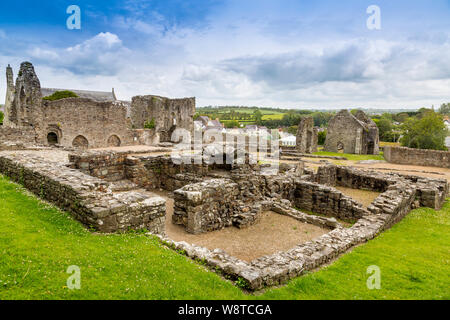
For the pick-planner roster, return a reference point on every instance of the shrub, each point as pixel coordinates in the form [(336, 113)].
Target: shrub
[(58, 95), (1, 117), (150, 124), (322, 135), (427, 132)]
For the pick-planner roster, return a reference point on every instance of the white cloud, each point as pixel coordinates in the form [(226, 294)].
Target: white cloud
[(101, 55), (237, 61)]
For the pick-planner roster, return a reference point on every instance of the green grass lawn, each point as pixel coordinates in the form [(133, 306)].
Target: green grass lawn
[(353, 157), (277, 116), (38, 243)]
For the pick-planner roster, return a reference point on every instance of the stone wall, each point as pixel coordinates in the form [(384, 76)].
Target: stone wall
[(429, 192), (109, 166), (89, 199), (271, 270), (16, 138), (168, 114), (418, 157), (93, 124), (161, 172), (206, 206), (307, 136), (25, 106), (326, 200), (352, 134)]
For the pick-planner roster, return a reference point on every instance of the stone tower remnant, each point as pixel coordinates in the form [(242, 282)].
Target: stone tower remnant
[(307, 136), (26, 105), (10, 91)]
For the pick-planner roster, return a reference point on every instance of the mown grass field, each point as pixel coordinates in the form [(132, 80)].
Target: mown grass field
[(277, 116), (39, 242)]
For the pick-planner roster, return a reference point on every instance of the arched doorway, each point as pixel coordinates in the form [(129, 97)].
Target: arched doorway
[(80, 142), (340, 147), (52, 138), (170, 133), (114, 141)]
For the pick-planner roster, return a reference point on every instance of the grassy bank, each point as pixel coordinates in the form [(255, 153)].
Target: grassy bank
[(38, 243)]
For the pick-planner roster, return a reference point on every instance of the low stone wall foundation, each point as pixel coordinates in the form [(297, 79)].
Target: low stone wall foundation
[(417, 157)]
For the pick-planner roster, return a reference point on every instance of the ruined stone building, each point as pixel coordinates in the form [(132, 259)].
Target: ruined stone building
[(355, 134), (307, 136), (167, 114), (93, 119)]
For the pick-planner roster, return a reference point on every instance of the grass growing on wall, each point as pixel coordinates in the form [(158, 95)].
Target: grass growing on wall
[(352, 157), (58, 95), (39, 242)]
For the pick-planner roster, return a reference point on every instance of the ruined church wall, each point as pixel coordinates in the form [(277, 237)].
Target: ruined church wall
[(167, 114), (342, 129), (17, 135), (418, 157), (95, 121), (307, 136), (356, 136)]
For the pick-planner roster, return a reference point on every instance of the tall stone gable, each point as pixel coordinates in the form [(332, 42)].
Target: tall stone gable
[(25, 108), (10, 91), (307, 136), (352, 134)]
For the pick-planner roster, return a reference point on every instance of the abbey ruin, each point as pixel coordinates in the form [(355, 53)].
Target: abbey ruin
[(356, 134), (93, 119), (110, 164)]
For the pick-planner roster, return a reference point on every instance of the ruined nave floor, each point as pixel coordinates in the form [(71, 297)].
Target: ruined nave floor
[(273, 233)]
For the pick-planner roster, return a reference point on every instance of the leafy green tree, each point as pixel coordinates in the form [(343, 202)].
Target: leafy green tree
[(1, 117), (321, 118), (445, 109), (61, 95), (427, 132), (232, 124), (293, 130), (401, 117), (258, 116), (322, 135), (384, 126)]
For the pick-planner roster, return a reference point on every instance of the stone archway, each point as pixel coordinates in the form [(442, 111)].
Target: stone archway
[(114, 141), (170, 133), (52, 139), (80, 142)]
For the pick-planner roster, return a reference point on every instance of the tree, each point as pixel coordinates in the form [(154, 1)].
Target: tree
[(61, 95), (384, 127), (232, 124), (1, 118), (293, 130), (427, 132), (258, 116), (445, 109), (322, 136), (401, 117)]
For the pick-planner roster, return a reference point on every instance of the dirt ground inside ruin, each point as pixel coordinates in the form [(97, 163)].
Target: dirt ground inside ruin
[(273, 233), (362, 196)]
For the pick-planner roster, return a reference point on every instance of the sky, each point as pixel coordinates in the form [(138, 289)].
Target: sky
[(269, 53)]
